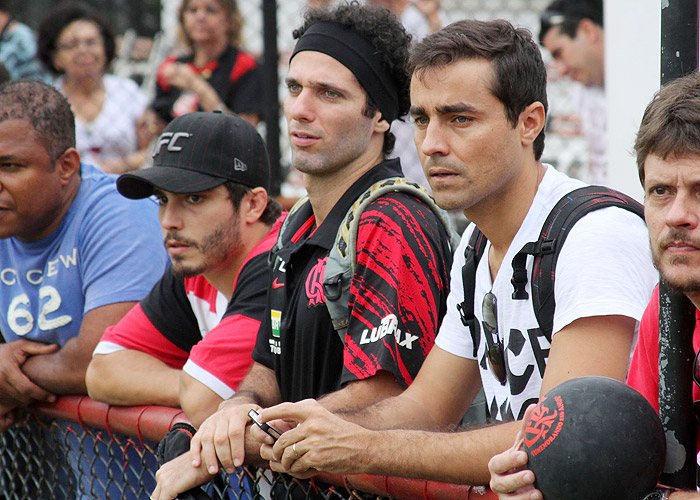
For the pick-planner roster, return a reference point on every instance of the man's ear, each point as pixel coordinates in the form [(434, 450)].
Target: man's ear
[(68, 165), (531, 122), (590, 31), (381, 125), (253, 205)]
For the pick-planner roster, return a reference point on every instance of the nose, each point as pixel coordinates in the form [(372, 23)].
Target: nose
[(299, 107), (170, 219), (430, 141), (559, 68), (683, 212)]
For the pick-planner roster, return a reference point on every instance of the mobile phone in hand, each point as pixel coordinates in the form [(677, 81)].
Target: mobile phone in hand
[(270, 431)]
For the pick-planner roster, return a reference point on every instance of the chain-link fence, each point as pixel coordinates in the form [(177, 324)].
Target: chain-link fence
[(566, 147), (109, 129), (78, 448)]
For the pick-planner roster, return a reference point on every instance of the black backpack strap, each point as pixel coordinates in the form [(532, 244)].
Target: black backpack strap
[(568, 210), (472, 254)]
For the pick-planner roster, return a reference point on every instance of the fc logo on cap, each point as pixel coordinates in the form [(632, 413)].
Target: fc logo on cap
[(170, 139)]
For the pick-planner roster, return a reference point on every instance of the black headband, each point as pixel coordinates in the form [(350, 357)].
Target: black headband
[(358, 55)]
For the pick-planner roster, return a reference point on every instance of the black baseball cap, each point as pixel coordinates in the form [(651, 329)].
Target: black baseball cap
[(199, 151)]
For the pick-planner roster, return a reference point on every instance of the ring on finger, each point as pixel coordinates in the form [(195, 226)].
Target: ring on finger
[(296, 453)]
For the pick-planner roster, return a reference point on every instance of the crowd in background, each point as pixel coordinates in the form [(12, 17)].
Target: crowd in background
[(135, 116), (192, 143)]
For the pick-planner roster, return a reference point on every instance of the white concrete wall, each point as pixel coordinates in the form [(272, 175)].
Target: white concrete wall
[(632, 75)]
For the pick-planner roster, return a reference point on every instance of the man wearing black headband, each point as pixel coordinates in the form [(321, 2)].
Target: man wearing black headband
[(347, 82), (478, 99)]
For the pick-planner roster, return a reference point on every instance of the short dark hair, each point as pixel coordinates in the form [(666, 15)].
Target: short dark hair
[(236, 192), (385, 32), (520, 77), (53, 24), (671, 122), (45, 108), (567, 14)]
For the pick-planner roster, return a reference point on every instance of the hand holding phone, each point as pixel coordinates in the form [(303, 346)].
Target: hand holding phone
[(270, 431)]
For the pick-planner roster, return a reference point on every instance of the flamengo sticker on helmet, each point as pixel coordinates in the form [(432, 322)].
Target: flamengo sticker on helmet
[(275, 319), (541, 426), (388, 326)]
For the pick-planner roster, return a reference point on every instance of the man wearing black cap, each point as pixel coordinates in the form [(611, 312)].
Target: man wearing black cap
[(347, 82), (189, 342)]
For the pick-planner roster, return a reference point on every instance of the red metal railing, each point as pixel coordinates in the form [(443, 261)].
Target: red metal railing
[(143, 426)]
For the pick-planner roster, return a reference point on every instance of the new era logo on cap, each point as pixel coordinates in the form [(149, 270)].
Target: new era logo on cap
[(199, 151), (239, 165)]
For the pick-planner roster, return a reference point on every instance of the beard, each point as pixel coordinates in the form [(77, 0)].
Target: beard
[(215, 249), (678, 281)]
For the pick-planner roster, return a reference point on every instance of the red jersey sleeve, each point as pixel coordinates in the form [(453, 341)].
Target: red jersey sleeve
[(135, 331), (222, 359), (160, 78)]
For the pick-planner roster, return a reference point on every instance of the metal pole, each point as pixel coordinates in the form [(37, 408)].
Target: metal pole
[(676, 323), (679, 56), (271, 111)]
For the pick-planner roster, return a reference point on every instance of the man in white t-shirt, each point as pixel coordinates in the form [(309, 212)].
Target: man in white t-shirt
[(478, 98)]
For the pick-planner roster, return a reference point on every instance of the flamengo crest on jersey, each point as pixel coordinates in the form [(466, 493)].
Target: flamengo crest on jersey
[(339, 267)]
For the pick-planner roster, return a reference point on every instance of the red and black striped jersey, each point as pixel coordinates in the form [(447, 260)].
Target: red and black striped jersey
[(397, 296)]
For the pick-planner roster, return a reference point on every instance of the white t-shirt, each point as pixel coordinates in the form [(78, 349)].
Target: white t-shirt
[(113, 133), (604, 268)]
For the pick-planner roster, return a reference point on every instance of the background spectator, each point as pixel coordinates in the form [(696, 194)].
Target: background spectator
[(78, 44), (572, 31), (17, 46), (215, 74)]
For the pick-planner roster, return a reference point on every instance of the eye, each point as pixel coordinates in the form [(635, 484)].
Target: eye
[(462, 120), (162, 199), (9, 166), (658, 191), (294, 88), (331, 94), (194, 198), (420, 121)]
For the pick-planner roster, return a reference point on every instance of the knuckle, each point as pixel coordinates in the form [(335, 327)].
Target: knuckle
[(220, 439)]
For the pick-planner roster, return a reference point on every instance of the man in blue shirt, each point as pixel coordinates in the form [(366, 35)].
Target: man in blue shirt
[(75, 256)]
